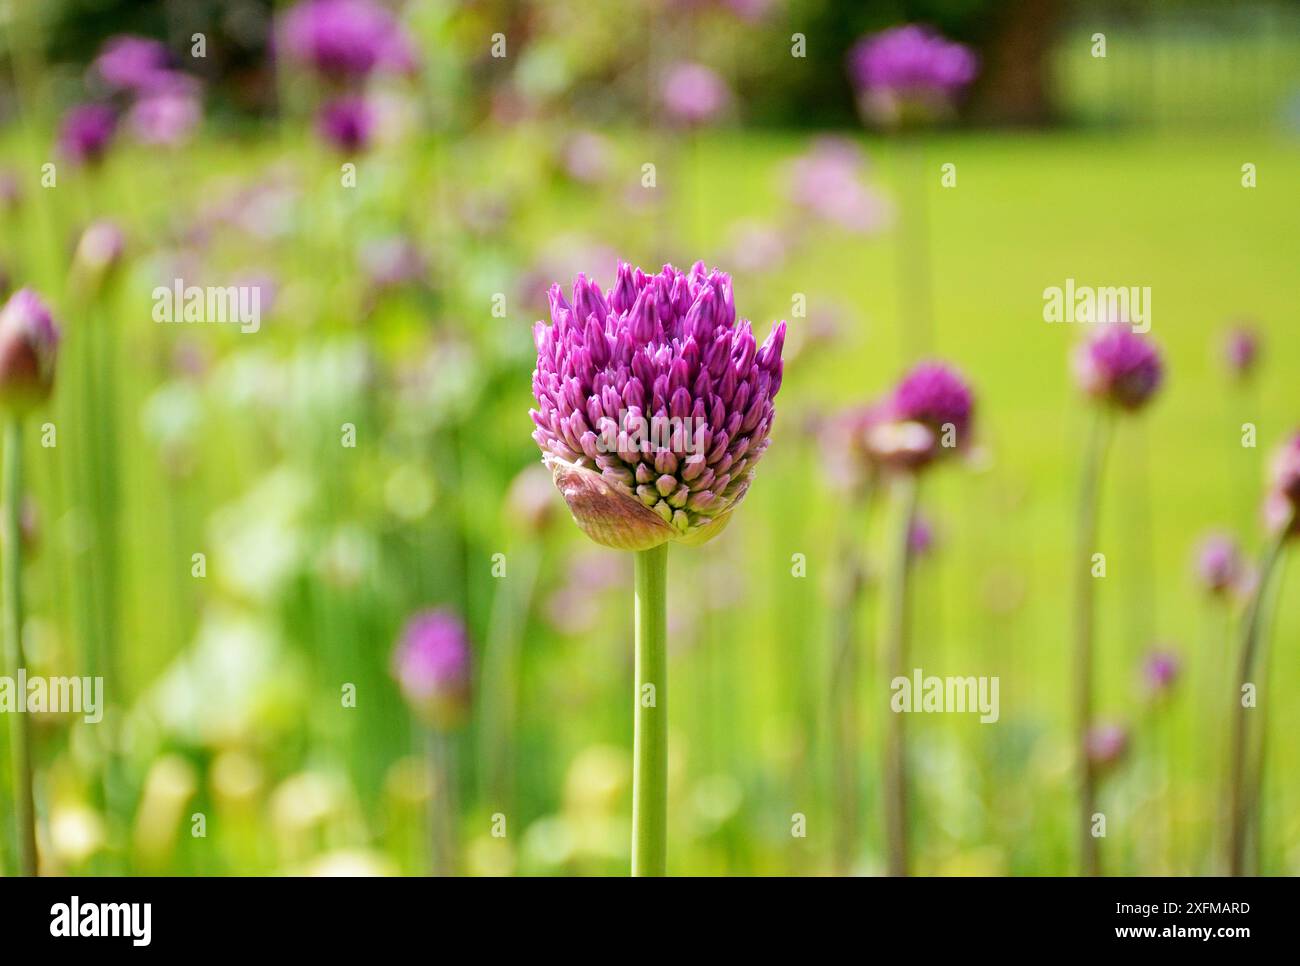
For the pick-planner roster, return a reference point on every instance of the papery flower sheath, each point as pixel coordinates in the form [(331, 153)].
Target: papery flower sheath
[(654, 404), (929, 415), (29, 342)]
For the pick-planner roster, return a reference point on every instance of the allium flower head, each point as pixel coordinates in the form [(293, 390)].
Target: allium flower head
[(827, 181), (1218, 563), (1160, 671), (1119, 366), (432, 666), (694, 94), (1107, 744), (86, 132), (909, 73), (929, 414), (1282, 504), (343, 39), (131, 63), (168, 113), (1241, 350), (29, 342), (346, 123), (653, 404), (99, 250)]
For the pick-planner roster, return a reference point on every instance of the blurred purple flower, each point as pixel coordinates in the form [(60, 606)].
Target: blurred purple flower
[(586, 157), (694, 94), (1160, 671), (346, 123), (654, 404), (29, 342), (920, 539), (345, 39), (86, 132), (826, 181), (909, 73), (11, 191), (167, 114), (393, 262), (432, 666), (1241, 350), (131, 63), (1106, 744), (99, 250), (1282, 503), (1218, 563), (756, 246), (929, 415), (1119, 366)]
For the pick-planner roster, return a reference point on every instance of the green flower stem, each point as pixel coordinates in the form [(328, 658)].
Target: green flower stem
[(895, 776), (442, 802), (650, 743), (1242, 803), (20, 738), (1089, 504)]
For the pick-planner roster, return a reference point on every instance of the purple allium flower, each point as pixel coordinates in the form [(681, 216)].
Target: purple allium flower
[(929, 414), (131, 63), (29, 342), (586, 157), (909, 72), (653, 404), (167, 114), (826, 181), (1282, 504), (346, 123), (1106, 744), (1120, 367), (1218, 563), (1241, 350), (344, 39), (920, 538), (99, 250), (694, 94), (86, 132), (432, 666), (1160, 671)]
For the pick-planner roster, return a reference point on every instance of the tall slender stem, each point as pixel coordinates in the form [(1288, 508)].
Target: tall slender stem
[(442, 803), (895, 777), (650, 743), (843, 693), (20, 738), (1241, 802), (1089, 503)]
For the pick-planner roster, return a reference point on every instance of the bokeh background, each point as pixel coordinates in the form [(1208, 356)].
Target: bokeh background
[(403, 305)]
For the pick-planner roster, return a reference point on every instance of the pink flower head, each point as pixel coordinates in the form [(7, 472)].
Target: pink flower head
[(1106, 744), (432, 666), (654, 405), (909, 73), (131, 63), (29, 342), (1120, 367), (1282, 504), (1219, 564), (86, 132), (1160, 671), (346, 123), (168, 113), (827, 181), (1241, 350), (929, 414), (694, 94), (345, 39)]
